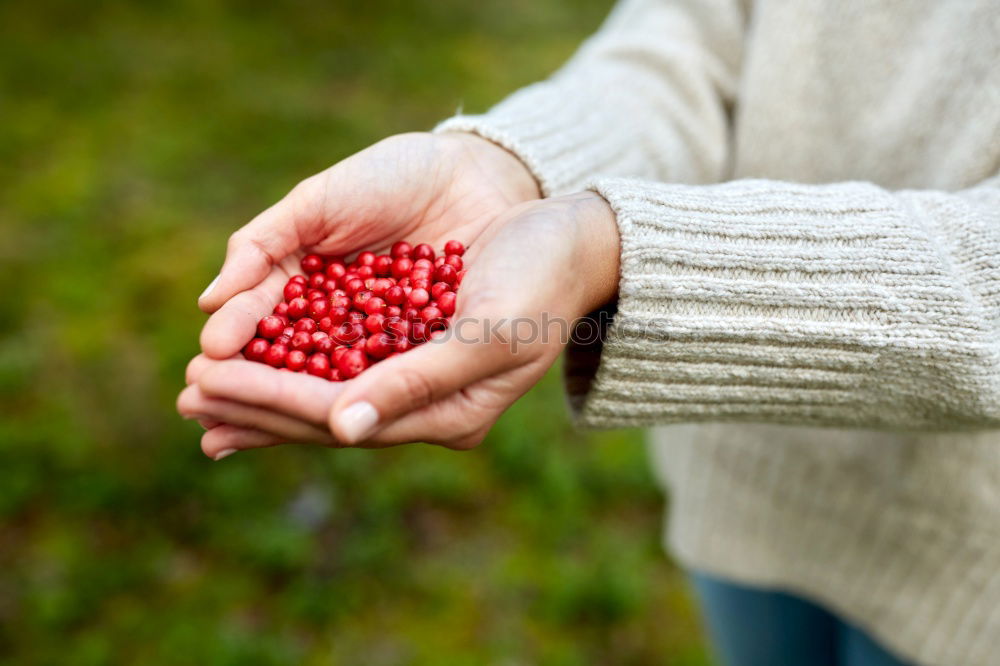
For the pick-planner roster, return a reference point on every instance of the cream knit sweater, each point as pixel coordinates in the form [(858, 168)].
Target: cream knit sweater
[(854, 282)]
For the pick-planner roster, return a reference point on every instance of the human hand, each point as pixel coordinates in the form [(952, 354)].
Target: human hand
[(426, 188), (524, 272)]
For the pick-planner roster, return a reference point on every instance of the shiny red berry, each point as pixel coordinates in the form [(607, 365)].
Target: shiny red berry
[(439, 288), (446, 302), (401, 267), (270, 327), (281, 309), (312, 263), (360, 299), (423, 251), (393, 311), (319, 308), (293, 290), (382, 285), (318, 365), (303, 341), (446, 273), (419, 298), (379, 345), (365, 272), (256, 348), (374, 305), (275, 356), (353, 286), (374, 323), (295, 360), (400, 249), (395, 295), (454, 260), (365, 259), (352, 363), (454, 247), (431, 313), (297, 307), (317, 280), (301, 279), (336, 270), (383, 265), (305, 324)]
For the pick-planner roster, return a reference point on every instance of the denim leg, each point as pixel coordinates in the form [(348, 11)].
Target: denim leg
[(751, 626), (859, 649)]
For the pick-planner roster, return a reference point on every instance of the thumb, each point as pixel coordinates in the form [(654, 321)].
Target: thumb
[(408, 382), (264, 241)]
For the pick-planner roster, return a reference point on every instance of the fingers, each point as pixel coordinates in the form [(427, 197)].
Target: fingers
[(225, 440), (299, 396), (193, 401), (266, 240), (411, 381), (235, 323)]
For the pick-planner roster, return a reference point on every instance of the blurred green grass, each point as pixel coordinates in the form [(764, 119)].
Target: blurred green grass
[(135, 137)]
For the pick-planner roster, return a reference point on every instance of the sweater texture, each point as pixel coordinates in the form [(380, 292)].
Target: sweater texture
[(809, 204)]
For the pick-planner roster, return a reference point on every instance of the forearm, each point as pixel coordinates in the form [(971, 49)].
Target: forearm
[(838, 305)]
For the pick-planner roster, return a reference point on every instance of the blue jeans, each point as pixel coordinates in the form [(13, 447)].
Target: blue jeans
[(751, 626)]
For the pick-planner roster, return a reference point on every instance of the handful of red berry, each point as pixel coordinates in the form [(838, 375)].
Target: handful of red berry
[(339, 318)]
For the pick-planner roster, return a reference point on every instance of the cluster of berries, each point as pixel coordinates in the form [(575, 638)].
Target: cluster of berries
[(340, 318)]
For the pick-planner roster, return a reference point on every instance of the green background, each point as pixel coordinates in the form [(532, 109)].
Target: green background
[(134, 137)]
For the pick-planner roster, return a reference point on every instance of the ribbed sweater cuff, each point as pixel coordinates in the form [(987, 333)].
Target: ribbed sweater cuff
[(562, 142), (766, 301)]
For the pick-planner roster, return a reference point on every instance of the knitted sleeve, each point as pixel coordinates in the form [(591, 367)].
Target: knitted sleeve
[(841, 304), (647, 96)]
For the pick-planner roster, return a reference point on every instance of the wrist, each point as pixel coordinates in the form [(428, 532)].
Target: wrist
[(507, 167)]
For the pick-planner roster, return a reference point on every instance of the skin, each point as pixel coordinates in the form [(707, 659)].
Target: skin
[(524, 261)]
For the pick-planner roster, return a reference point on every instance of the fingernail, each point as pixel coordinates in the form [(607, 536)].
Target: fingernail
[(224, 453), (209, 288), (357, 421)]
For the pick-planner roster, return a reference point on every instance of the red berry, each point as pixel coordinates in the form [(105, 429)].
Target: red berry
[(319, 308), (283, 339), (340, 301), (255, 349), (301, 279), (305, 324), (297, 307), (403, 344), (295, 360), (418, 332), (288, 332), (270, 327), (454, 260), (335, 375), (355, 317), (281, 309), (382, 285), (318, 365), (421, 274), (330, 285), (338, 315), (401, 267), (374, 323), (293, 290), (439, 261), (446, 273), (317, 280), (419, 298), (393, 311), (446, 302), (324, 345), (336, 270), (424, 263), (423, 251), (439, 288), (397, 327), (353, 286), (422, 283), (454, 247), (383, 265), (411, 314), (360, 299), (275, 356), (374, 305), (337, 353), (431, 313), (379, 345), (312, 263), (314, 294), (365, 259), (352, 363), (365, 272), (303, 341), (347, 333), (400, 249), (395, 295)]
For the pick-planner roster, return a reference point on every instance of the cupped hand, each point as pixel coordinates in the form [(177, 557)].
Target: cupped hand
[(421, 187), (531, 275)]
